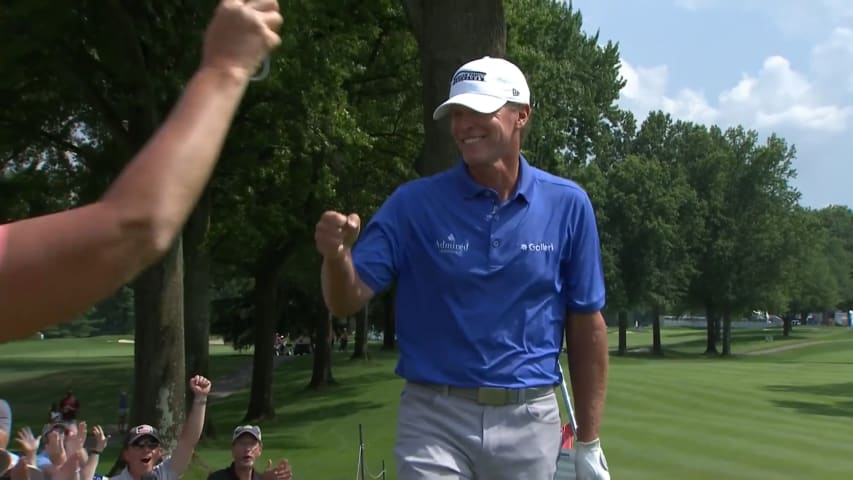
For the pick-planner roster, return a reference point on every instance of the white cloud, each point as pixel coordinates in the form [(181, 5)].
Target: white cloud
[(832, 60), (777, 96), (780, 96), (646, 89)]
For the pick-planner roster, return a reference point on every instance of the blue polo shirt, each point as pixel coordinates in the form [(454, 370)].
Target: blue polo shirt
[(483, 287)]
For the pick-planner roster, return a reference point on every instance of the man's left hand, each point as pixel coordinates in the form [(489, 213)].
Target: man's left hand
[(590, 463)]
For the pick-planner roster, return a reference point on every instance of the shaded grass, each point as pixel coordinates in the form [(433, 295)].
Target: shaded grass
[(781, 415)]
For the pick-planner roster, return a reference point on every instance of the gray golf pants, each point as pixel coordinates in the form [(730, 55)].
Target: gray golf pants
[(445, 437)]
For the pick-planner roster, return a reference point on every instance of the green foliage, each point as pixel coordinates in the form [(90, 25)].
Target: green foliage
[(574, 82), (334, 126), (690, 216), (650, 210)]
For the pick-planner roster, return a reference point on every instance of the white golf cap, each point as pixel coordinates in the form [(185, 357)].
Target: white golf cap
[(252, 430), (485, 85)]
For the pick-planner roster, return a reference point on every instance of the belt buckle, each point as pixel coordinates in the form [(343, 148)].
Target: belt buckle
[(496, 397)]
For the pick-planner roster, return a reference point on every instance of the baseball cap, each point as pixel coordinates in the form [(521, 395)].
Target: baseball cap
[(485, 85), (252, 430), (140, 431)]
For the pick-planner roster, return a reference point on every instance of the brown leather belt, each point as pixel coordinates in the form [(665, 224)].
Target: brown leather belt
[(495, 397)]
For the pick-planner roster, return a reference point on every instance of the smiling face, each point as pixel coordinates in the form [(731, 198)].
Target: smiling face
[(142, 455), (245, 450), (485, 138)]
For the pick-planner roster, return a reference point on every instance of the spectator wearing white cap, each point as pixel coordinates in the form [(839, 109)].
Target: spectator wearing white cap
[(246, 447)]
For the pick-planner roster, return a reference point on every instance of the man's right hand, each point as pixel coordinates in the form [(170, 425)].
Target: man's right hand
[(336, 233), (241, 34)]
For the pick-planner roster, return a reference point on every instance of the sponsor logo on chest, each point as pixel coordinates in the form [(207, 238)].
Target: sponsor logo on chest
[(537, 247), (451, 245)]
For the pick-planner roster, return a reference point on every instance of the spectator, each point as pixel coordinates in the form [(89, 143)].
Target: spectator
[(344, 340), (278, 344), (52, 453), (141, 451), (55, 415), (7, 462), (23, 471), (246, 448), (302, 345), (5, 422), (96, 248), (93, 454), (69, 405), (122, 412)]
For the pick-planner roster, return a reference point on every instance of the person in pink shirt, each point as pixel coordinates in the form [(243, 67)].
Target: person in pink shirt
[(56, 266)]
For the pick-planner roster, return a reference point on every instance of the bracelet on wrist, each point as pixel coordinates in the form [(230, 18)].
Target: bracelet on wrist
[(200, 401), (95, 452)]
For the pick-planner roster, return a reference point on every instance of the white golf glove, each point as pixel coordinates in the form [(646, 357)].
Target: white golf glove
[(590, 463)]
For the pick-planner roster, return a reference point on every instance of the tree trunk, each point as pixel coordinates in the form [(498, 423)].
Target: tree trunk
[(657, 348), (623, 332), (711, 322), (362, 323), (322, 372), (718, 327), (450, 33), (786, 325), (727, 333), (197, 297), (389, 328), (266, 315), (159, 376)]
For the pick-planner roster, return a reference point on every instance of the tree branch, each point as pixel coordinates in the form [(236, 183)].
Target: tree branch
[(112, 120), (61, 143)]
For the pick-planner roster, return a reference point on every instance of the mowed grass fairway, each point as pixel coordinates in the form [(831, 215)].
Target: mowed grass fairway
[(775, 410)]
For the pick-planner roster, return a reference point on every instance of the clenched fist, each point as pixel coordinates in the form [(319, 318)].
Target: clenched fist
[(200, 387), (335, 233), (241, 34)]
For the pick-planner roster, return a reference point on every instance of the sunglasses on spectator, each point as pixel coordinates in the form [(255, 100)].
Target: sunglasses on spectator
[(145, 444)]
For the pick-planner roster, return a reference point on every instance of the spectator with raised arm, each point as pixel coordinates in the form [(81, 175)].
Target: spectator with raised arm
[(54, 267), (142, 452)]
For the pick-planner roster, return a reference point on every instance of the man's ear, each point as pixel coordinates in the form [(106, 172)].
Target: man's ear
[(523, 116)]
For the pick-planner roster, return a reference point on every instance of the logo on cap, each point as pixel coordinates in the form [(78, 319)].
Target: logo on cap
[(144, 429), (468, 76)]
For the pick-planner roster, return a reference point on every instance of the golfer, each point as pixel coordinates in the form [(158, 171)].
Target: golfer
[(494, 260)]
